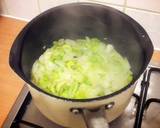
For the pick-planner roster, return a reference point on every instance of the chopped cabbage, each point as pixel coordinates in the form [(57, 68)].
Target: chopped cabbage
[(80, 69)]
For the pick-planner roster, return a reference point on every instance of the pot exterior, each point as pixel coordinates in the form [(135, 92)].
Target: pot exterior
[(58, 110)]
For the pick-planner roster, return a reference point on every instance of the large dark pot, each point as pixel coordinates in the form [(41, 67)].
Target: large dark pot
[(77, 21)]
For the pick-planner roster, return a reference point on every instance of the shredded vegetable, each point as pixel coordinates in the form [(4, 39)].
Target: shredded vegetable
[(80, 69)]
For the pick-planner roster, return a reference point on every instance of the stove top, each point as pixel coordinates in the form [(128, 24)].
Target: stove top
[(143, 110)]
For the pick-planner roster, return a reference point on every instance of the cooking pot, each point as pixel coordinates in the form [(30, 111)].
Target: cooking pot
[(73, 21)]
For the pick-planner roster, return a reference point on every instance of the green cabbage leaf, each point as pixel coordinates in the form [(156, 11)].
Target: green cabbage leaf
[(80, 69)]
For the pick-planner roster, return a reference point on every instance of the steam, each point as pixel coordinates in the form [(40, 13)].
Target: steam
[(79, 22)]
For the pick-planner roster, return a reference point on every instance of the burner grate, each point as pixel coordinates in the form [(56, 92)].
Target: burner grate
[(143, 104), (18, 119)]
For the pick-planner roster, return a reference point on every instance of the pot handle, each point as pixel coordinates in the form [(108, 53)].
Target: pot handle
[(95, 118)]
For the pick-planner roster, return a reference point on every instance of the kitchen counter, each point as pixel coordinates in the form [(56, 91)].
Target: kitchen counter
[(11, 85)]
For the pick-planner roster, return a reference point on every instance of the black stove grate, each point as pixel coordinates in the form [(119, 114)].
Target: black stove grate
[(142, 103)]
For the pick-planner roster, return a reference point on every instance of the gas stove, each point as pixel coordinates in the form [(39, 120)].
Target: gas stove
[(143, 110)]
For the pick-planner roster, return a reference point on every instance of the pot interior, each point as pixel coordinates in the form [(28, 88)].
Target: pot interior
[(79, 20)]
